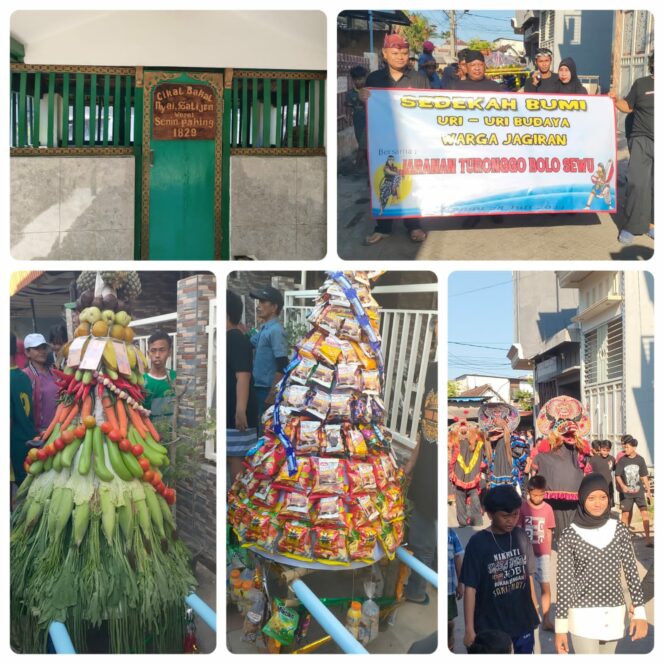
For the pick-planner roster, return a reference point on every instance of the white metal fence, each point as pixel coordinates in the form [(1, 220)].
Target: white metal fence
[(408, 345)]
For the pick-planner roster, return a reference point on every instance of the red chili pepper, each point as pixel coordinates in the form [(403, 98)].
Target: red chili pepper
[(100, 390), (57, 372), (72, 386)]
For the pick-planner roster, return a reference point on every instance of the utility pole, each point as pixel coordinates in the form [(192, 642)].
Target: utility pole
[(453, 50)]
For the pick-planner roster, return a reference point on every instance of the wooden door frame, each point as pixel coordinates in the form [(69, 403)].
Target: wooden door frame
[(150, 79)]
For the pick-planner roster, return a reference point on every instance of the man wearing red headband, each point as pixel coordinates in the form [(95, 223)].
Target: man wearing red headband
[(395, 74)]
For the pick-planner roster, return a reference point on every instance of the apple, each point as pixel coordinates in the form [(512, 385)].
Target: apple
[(122, 318), (108, 316), (90, 315)]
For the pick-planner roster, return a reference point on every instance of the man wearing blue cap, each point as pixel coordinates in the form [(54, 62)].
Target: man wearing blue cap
[(270, 343)]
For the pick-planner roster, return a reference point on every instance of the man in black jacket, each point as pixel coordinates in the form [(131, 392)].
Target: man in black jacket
[(395, 74)]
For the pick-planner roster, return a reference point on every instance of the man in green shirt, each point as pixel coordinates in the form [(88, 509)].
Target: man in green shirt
[(22, 428), (160, 381)]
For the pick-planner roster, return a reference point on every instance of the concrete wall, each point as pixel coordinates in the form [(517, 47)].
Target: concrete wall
[(278, 207), (246, 39), (541, 308), (197, 495), (72, 208), (639, 326)]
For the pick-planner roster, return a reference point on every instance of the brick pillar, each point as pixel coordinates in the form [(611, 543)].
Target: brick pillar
[(197, 495)]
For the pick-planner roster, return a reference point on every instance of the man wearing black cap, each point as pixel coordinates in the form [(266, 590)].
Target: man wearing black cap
[(476, 80), (270, 342), (396, 74), (543, 79)]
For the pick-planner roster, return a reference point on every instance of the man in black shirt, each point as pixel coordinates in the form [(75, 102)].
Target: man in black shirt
[(396, 74), (634, 485), (640, 102), (476, 80), (241, 413), (543, 79)]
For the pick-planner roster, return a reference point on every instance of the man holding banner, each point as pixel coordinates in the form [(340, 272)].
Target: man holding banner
[(640, 101), (395, 74), (475, 75)]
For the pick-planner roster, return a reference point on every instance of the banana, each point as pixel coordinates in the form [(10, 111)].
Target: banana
[(131, 354), (139, 352), (110, 358)]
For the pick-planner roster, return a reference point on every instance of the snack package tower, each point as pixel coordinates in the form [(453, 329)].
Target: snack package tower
[(93, 541), (322, 484)]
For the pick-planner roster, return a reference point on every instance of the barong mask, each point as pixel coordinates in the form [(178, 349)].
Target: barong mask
[(564, 420), (491, 417)]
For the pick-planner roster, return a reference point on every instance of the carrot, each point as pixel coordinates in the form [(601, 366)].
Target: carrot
[(86, 409), (71, 415), (137, 422), (122, 417), (63, 412), (54, 421), (150, 427), (110, 412)]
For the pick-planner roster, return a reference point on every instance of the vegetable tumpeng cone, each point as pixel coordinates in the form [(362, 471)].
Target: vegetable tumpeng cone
[(93, 542)]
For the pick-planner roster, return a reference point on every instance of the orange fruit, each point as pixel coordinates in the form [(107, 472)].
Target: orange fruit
[(118, 332), (89, 422), (100, 329), (128, 334), (82, 330)]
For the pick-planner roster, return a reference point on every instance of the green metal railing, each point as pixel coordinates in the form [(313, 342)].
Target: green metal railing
[(277, 112), (72, 108)]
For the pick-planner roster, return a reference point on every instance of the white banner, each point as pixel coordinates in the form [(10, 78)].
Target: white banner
[(446, 153)]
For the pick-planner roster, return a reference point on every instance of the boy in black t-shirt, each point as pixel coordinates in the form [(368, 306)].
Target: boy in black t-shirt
[(604, 463), (497, 573), (634, 485)]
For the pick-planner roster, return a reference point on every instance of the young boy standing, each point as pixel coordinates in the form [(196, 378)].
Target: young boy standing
[(497, 574), (604, 463), (537, 519), (633, 485), (454, 586)]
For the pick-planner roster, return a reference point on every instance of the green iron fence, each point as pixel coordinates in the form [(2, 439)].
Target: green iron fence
[(277, 112), (56, 108)]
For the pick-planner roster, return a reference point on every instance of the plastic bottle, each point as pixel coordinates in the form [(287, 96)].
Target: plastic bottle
[(232, 576), (246, 599), (236, 590), (368, 622), (254, 616), (353, 618)]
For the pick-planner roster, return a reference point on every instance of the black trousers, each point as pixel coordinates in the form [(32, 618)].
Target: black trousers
[(640, 174)]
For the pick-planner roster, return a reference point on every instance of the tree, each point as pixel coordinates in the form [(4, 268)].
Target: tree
[(524, 399), (453, 389), (417, 32), (477, 44)]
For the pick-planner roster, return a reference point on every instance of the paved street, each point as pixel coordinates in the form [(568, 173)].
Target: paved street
[(518, 237), (412, 623), (544, 640)]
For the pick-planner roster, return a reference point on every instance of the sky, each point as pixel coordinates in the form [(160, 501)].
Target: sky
[(480, 323), (481, 23)]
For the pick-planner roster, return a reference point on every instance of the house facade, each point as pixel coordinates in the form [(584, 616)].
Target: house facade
[(192, 137)]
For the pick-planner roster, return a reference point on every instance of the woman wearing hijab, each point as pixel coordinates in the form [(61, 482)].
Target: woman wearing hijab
[(591, 552), (568, 81)]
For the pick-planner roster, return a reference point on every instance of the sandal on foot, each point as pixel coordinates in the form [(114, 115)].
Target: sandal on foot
[(417, 235), (375, 238)]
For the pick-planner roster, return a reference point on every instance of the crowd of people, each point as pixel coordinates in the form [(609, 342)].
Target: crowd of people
[(469, 74), (556, 492)]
